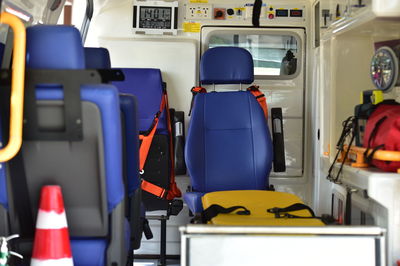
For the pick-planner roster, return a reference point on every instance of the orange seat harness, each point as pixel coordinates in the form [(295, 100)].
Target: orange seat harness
[(145, 145), (253, 89)]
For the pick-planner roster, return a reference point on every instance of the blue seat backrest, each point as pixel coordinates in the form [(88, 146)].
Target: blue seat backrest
[(60, 47), (226, 65), (147, 85), (97, 232), (97, 58), (228, 144), (2, 46)]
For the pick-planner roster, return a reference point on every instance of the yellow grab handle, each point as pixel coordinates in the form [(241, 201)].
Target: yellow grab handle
[(17, 87)]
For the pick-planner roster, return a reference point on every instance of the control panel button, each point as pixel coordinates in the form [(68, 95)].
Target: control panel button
[(230, 11), (271, 16), (219, 13)]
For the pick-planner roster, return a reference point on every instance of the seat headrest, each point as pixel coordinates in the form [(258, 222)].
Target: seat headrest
[(97, 58), (226, 65), (54, 47)]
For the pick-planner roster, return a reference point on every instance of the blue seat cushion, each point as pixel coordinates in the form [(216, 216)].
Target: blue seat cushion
[(226, 65), (228, 148), (106, 97), (193, 201), (2, 46), (97, 58), (146, 85), (89, 251)]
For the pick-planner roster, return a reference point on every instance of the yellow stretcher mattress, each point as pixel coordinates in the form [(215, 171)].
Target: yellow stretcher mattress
[(257, 201)]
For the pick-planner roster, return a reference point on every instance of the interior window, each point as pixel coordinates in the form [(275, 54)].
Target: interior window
[(273, 55)]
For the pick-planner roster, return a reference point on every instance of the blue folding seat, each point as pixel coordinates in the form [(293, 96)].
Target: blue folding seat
[(158, 185), (228, 146), (99, 58), (86, 161), (147, 85)]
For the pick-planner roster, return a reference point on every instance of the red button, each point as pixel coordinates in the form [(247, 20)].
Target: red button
[(271, 16)]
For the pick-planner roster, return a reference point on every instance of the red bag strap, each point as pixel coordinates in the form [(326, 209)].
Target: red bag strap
[(260, 97)]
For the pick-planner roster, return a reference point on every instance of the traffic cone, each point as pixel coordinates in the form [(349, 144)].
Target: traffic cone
[(51, 245)]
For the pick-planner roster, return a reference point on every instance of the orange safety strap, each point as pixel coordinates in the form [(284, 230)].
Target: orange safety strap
[(173, 191), (144, 151), (148, 139), (153, 189), (260, 97)]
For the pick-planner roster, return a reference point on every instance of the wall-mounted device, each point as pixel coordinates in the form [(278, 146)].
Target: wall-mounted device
[(155, 17), (385, 68)]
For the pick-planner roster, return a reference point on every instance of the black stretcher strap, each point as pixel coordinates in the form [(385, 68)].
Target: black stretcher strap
[(284, 212), (216, 209)]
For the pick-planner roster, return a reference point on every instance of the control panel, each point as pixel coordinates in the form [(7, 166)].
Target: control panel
[(233, 12)]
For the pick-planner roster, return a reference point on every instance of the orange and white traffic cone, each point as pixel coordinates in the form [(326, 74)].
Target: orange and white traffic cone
[(51, 245)]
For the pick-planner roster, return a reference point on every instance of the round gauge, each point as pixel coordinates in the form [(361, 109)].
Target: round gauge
[(385, 69)]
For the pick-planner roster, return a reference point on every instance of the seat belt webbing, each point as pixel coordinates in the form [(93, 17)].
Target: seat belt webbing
[(149, 187), (216, 209), (284, 212)]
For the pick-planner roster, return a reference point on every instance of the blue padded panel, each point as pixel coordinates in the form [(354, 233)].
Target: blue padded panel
[(226, 65), (107, 99), (97, 58), (89, 252), (2, 46), (129, 109), (193, 200), (228, 146), (54, 47), (146, 85), (3, 180)]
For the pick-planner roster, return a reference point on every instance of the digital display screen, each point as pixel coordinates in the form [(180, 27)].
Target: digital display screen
[(298, 13), (155, 17), (281, 13)]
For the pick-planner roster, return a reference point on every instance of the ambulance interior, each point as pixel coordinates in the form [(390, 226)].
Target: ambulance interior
[(312, 59)]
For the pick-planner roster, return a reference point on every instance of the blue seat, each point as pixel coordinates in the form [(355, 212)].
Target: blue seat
[(147, 85), (228, 144), (99, 58), (88, 170)]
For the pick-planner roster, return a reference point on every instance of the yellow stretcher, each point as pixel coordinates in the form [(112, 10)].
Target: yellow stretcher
[(257, 201)]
